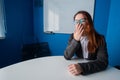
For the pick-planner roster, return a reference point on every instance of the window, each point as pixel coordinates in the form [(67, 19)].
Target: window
[(2, 20)]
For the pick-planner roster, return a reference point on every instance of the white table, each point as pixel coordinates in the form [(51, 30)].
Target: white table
[(52, 68)]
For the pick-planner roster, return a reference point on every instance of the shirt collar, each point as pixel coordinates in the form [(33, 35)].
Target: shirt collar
[(83, 38)]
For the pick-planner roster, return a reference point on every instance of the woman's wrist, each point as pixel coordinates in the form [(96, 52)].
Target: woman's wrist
[(80, 69)]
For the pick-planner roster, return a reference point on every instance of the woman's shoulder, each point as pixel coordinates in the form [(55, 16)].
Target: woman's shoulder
[(101, 39), (100, 36)]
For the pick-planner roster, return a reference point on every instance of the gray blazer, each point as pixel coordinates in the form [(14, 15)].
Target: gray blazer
[(99, 58)]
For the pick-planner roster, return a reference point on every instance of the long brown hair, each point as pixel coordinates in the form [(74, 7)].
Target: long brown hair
[(95, 39)]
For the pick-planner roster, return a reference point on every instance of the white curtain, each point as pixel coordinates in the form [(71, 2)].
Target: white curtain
[(2, 20)]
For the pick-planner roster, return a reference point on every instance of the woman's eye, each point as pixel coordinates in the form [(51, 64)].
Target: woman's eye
[(81, 20), (76, 22)]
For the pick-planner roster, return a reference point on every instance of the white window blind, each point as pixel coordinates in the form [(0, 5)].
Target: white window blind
[(2, 20)]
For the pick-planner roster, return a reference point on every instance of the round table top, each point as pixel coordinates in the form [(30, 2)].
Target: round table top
[(46, 68)]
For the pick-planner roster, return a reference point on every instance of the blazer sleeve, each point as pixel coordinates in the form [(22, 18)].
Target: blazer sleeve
[(72, 47), (97, 65)]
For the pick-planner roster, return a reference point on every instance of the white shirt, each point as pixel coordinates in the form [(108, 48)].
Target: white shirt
[(84, 43)]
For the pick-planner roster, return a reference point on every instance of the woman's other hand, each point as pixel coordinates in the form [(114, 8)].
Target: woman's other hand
[(74, 69)]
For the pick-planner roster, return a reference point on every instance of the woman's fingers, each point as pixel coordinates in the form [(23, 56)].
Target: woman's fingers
[(79, 28), (78, 31)]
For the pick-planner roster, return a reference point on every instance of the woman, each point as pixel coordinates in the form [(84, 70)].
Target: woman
[(86, 43)]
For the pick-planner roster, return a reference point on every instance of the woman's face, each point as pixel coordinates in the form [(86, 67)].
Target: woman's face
[(82, 19)]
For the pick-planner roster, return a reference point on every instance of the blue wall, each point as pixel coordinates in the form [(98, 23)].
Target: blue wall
[(113, 33), (58, 42), (19, 21), (101, 16)]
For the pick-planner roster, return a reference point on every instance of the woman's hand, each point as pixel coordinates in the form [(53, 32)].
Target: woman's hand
[(74, 69), (78, 32)]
